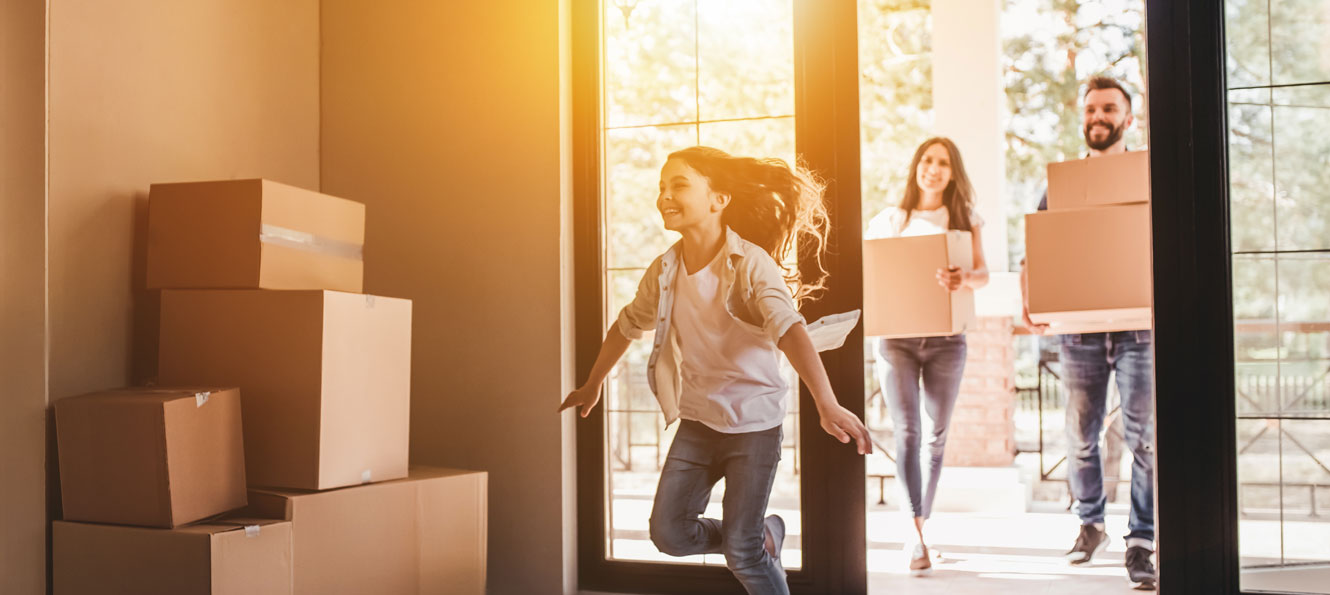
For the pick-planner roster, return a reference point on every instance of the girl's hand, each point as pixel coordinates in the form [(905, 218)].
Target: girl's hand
[(584, 397), (844, 425), (951, 278)]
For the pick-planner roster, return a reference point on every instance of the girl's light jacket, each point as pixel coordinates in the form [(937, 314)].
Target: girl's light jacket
[(755, 295)]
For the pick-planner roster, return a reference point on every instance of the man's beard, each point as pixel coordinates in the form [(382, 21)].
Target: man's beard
[(1114, 135)]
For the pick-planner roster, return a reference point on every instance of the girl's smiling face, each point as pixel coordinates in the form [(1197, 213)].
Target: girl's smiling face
[(686, 199)]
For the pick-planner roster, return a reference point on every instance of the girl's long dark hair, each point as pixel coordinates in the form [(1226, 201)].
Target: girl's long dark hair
[(773, 205), (958, 197)]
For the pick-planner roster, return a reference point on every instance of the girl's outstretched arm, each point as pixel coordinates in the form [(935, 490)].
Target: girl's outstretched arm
[(835, 419), (587, 395)]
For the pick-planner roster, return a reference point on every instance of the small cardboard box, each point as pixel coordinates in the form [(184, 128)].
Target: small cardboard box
[(229, 557), (326, 378), (902, 297), (424, 535), (1123, 178), (1089, 270), (154, 457), (253, 234)]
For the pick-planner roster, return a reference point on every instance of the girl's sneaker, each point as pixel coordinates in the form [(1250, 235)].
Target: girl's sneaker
[(920, 565)]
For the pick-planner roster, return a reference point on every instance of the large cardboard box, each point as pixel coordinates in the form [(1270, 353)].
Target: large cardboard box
[(253, 234), (325, 375), (902, 297), (424, 535), (1123, 178), (1089, 270), (229, 557), (155, 457)]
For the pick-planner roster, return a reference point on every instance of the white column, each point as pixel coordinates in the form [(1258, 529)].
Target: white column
[(970, 107)]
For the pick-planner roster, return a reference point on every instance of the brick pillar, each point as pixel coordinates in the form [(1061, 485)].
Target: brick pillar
[(983, 431)]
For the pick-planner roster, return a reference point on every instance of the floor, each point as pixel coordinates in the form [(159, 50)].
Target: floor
[(995, 554)]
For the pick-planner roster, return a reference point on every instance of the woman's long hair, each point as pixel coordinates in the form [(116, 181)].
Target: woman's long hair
[(773, 205), (958, 197)]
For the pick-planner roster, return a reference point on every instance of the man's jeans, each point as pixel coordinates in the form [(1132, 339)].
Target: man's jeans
[(939, 362), (1087, 361), (699, 457)]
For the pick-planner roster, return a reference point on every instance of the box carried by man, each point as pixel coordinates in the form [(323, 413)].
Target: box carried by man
[(1089, 269)]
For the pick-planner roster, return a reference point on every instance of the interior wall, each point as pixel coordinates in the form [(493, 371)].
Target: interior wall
[(22, 296), (444, 119), (145, 91)]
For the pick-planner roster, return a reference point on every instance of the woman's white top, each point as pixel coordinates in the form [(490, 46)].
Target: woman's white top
[(731, 376), (890, 223)]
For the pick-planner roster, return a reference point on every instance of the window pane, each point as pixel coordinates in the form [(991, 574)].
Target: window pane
[(752, 138), (750, 73), (1302, 177), (1247, 26), (1300, 47), (1305, 465), (1256, 339), (1251, 176), (650, 70), (633, 158)]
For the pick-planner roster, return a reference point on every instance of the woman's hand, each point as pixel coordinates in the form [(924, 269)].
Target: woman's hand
[(951, 278), (844, 426), (585, 398)]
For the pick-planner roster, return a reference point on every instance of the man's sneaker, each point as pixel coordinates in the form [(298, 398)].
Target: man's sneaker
[(920, 565), (1140, 571), (1091, 541), (775, 539)]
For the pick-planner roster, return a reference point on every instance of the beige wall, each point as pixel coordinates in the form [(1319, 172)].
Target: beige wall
[(444, 119), (145, 91), (22, 296)]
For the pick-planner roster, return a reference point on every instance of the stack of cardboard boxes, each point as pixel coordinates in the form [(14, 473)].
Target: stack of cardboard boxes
[(1088, 255), (260, 290)]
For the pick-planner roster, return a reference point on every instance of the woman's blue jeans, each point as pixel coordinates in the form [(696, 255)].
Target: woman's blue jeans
[(939, 363)]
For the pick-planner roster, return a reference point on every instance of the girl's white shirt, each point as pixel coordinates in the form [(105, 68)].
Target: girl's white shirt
[(731, 377), (891, 223), (753, 293)]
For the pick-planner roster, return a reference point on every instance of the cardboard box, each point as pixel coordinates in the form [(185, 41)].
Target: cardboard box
[(1089, 270), (1123, 178), (230, 557), (902, 297), (425, 535), (253, 234), (155, 457), (326, 378)]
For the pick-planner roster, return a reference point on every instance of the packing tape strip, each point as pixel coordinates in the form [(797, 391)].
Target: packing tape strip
[(300, 240), (365, 476), (201, 398), (252, 530)]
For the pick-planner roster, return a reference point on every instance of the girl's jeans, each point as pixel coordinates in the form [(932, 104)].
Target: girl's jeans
[(699, 457)]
